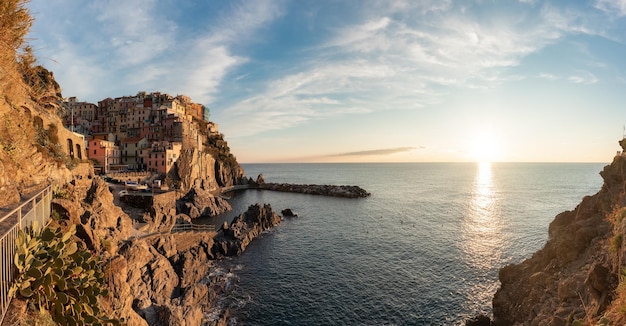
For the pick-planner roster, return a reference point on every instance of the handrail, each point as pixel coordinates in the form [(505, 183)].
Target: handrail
[(24, 204), (40, 206), (193, 227)]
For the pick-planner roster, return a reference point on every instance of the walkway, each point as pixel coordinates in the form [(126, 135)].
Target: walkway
[(34, 209)]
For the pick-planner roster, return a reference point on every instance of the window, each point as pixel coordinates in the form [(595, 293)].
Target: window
[(94, 152)]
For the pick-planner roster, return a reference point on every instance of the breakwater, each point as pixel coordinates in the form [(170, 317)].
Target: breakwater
[(322, 190)]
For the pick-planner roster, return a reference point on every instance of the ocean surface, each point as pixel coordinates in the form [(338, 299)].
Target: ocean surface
[(424, 249)]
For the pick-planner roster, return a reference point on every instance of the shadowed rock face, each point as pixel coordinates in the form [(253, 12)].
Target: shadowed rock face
[(198, 202), (574, 276), (244, 228)]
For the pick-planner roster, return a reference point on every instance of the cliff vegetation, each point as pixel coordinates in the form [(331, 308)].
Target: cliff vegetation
[(578, 277)]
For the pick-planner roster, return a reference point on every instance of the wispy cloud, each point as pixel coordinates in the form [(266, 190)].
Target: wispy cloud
[(138, 45), (612, 6), (375, 152), (548, 76), (406, 56), (585, 78), (135, 30)]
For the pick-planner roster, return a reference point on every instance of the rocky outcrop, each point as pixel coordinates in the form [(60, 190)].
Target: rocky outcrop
[(323, 190), (575, 276), (234, 239), (200, 169), (201, 203), (287, 212)]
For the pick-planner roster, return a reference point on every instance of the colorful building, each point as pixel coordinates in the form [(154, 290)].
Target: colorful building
[(106, 156), (162, 155)]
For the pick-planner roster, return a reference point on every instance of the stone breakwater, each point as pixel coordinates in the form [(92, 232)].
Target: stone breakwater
[(322, 190)]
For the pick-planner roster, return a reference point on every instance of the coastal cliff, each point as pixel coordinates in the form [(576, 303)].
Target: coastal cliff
[(207, 165), (577, 277)]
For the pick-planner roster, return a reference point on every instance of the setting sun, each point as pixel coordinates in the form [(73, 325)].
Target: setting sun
[(484, 148)]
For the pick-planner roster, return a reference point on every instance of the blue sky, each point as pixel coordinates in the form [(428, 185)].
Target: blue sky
[(362, 81)]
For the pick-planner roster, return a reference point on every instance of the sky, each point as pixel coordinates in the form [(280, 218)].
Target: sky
[(360, 81)]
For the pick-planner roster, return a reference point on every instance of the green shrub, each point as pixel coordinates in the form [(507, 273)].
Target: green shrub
[(60, 193), (57, 275)]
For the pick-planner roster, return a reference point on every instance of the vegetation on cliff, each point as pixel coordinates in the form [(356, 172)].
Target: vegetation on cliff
[(578, 277), (58, 276), (30, 146)]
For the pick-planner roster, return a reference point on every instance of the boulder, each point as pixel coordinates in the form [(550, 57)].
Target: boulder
[(288, 213)]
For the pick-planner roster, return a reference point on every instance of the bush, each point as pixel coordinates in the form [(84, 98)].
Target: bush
[(57, 275)]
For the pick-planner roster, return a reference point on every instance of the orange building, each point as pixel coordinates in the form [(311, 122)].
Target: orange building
[(106, 155)]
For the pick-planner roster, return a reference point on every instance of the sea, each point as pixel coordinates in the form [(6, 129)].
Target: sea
[(424, 249)]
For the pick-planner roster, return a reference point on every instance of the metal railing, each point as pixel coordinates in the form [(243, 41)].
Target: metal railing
[(193, 228), (35, 209)]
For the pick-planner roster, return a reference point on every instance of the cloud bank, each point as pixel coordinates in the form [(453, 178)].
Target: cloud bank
[(386, 151)]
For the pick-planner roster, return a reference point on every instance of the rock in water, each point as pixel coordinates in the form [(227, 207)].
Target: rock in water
[(260, 179), (245, 228), (288, 213), (480, 320)]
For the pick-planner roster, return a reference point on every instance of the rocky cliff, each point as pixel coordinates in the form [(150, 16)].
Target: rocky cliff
[(207, 166), (233, 239), (156, 277), (577, 277)]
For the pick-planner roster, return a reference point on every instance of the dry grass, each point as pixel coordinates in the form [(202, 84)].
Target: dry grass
[(15, 21)]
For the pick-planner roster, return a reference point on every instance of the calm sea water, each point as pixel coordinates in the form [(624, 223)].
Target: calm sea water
[(424, 249)]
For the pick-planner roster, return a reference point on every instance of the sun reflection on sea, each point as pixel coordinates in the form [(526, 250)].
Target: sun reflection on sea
[(482, 237)]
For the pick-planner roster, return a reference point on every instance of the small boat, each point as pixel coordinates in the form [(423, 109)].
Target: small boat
[(135, 186), (123, 193)]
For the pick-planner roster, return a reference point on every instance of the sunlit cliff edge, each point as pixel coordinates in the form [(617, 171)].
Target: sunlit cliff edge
[(578, 277)]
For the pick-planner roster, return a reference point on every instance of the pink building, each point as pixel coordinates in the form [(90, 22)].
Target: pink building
[(162, 155), (105, 154)]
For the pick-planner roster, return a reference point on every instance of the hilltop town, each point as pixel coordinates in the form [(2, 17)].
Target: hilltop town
[(145, 132)]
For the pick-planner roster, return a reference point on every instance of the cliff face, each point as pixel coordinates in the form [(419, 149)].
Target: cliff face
[(200, 169), (577, 275), (32, 149)]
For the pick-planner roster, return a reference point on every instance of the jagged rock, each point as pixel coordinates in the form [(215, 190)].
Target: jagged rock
[(195, 293), (120, 295), (151, 277), (574, 274), (166, 245), (192, 265), (260, 179), (245, 228), (288, 213), (201, 203)]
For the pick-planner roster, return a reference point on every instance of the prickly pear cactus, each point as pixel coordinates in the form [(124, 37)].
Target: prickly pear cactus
[(58, 275)]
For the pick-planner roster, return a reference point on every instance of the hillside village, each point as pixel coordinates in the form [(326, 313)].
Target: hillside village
[(145, 132)]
